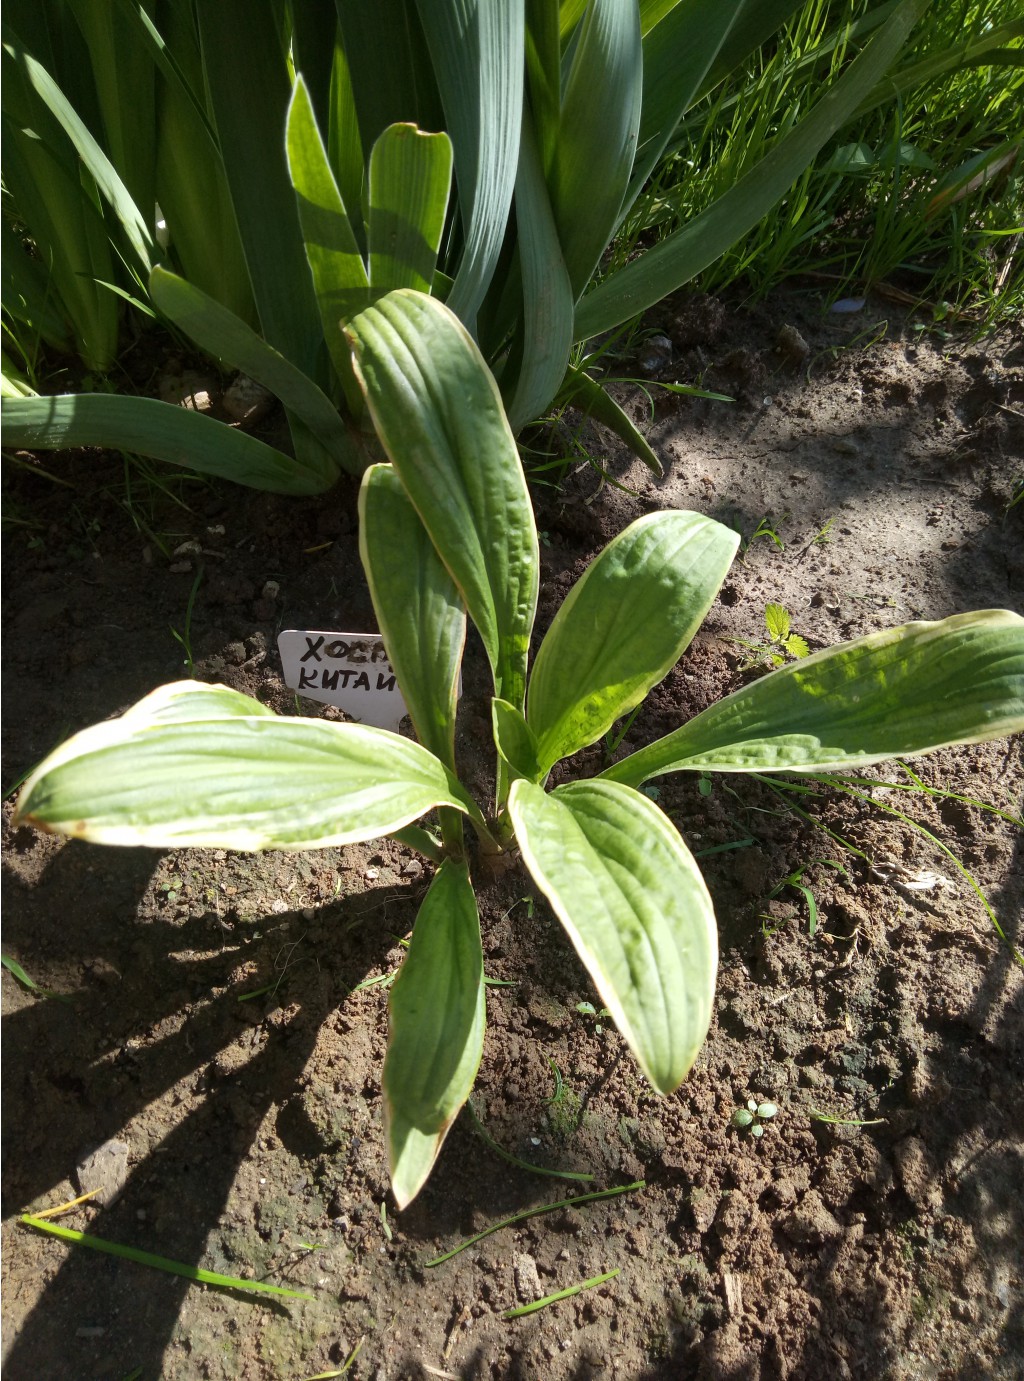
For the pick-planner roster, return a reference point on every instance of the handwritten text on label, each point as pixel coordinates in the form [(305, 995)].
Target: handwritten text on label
[(350, 670)]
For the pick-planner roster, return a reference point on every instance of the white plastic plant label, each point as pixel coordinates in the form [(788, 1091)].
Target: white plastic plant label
[(350, 670)]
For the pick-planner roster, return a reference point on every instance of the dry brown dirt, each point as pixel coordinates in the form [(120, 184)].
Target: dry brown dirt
[(885, 1244)]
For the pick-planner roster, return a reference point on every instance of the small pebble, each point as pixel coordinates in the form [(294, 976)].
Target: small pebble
[(656, 353), (792, 342), (105, 1170), (247, 401)]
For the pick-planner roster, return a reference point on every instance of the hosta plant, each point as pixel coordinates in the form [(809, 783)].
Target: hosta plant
[(447, 531)]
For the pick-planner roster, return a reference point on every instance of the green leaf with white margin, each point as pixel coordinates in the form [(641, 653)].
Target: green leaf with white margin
[(420, 614), (339, 274), (223, 334), (623, 625), (631, 897), (597, 134), (893, 694), (437, 1018), (439, 415), (515, 741), (676, 259), (197, 765), (410, 178)]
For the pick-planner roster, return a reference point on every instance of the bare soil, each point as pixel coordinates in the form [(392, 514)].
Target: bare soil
[(218, 1013)]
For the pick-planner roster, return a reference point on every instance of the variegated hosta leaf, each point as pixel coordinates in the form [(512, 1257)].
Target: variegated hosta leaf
[(437, 1011), (515, 741), (193, 764), (438, 413), (623, 625), (409, 179), (421, 615), (632, 899), (892, 694), (339, 274)]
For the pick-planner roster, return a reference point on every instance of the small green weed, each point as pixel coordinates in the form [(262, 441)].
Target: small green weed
[(795, 879), (613, 738), (752, 1118), (185, 637), (587, 1009), (767, 528), (780, 645)]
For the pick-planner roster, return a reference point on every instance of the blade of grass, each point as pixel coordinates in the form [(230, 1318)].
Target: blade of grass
[(916, 784), (844, 1121), (725, 848), (488, 1140), (682, 255), (158, 1263), (14, 968), (586, 394), (560, 1294), (535, 1212), (346, 1366), (66, 1207)]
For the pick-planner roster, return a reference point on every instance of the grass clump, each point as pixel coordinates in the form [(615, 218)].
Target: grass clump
[(924, 194)]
